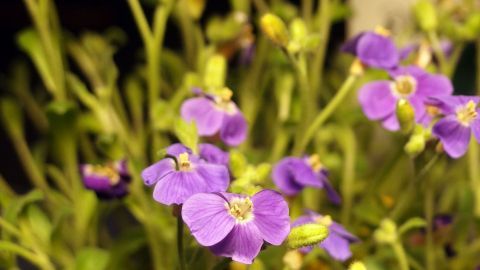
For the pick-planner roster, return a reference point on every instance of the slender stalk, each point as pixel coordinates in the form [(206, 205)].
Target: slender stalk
[(181, 257), (141, 21), (401, 255), (437, 50), (428, 204), (307, 6), (319, 57), (473, 153), (325, 114), (39, 261), (350, 147)]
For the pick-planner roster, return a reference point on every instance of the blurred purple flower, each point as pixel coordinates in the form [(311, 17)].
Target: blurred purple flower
[(108, 181), (373, 49), (215, 114), (182, 174), (236, 226), (292, 174), (213, 154), (338, 241), (378, 99), (459, 121)]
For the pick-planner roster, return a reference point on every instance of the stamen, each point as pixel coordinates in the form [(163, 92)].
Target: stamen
[(432, 110), (108, 171), (467, 113), (184, 162), (241, 209), (404, 86), (226, 94), (325, 220), (314, 162), (382, 31)]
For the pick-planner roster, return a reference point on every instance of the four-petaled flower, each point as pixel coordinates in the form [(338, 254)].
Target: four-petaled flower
[(292, 174), (216, 114), (109, 180), (379, 99), (338, 241), (459, 121), (182, 174), (374, 49), (236, 226)]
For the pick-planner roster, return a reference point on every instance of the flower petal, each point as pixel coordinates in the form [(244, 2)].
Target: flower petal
[(454, 136), (207, 217), (96, 182), (337, 247), (216, 177), (178, 186), (331, 192), (157, 171), (434, 85), (271, 217), (284, 177), (377, 100), (234, 129), (177, 148), (242, 244), (391, 122), (351, 45), (213, 154), (377, 51), (202, 110)]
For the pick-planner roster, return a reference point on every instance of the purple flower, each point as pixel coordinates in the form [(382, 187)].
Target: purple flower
[(183, 174), (108, 181), (292, 174), (236, 226), (338, 240), (216, 114), (373, 49), (459, 121), (378, 99)]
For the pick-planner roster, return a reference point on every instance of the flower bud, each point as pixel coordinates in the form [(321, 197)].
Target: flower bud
[(293, 260), (387, 232), (275, 29), (405, 115), (357, 266), (298, 30), (357, 68), (426, 15), (417, 141), (215, 72), (306, 235)]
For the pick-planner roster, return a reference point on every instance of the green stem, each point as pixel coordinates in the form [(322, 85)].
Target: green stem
[(350, 147), (401, 255), (430, 252), (325, 114), (437, 50), (307, 6), (319, 58), (473, 153), (41, 261), (181, 257)]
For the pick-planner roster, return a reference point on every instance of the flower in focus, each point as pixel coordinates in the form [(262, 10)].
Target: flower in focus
[(216, 114), (108, 181), (459, 121), (374, 49), (292, 174), (338, 240), (378, 99), (182, 174), (236, 226)]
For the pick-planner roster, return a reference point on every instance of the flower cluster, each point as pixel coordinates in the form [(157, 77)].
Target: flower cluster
[(452, 119), (108, 180)]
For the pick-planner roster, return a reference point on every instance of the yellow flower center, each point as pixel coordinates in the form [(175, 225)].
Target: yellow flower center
[(241, 209), (432, 110), (404, 86), (314, 162), (466, 114), (325, 220), (184, 162), (107, 171)]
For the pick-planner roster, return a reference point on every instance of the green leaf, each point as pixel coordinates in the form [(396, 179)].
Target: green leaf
[(40, 224), (16, 206), (187, 134), (412, 223), (92, 259)]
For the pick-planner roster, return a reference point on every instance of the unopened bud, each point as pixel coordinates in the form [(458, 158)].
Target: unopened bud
[(275, 29), (417, 141), (298, 30), (357, 68), (387, 232), (306, 235), (405, 115), (357, 266), (426, 15), (215, 72)]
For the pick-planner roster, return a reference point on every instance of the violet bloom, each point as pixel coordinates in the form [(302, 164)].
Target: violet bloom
[(236, 226), (379, 99), (373, 49), (459, 121), (213, 154), (182, 174), (108, 181), (216, 114), (338, 241), (292, 174)]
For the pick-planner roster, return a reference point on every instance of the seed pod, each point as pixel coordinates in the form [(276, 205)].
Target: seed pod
[(307, 235), (275, 29)]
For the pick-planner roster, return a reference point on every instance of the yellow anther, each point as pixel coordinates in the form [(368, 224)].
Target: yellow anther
[(107, 171), (325, 220), (314, 162), (467, 113), (241, 209), (226, 94), (382, 31), (404, 86), (183, 161)]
